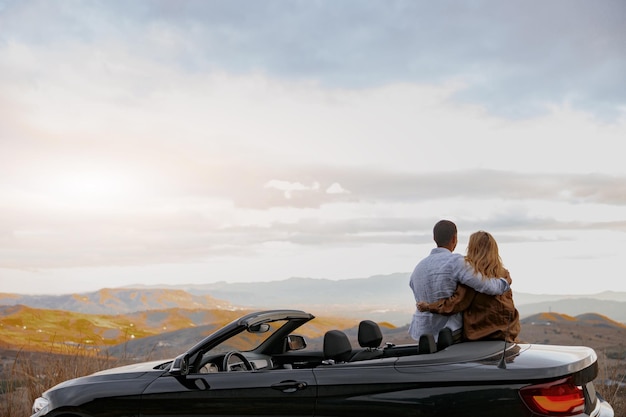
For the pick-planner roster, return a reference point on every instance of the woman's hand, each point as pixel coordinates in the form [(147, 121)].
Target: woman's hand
[(422, 306)]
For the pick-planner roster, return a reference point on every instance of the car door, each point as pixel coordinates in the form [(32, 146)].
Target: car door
[(278, 392), (364, 388)]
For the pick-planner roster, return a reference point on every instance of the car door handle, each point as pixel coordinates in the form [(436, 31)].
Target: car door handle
[(199, 383), (290, 386)]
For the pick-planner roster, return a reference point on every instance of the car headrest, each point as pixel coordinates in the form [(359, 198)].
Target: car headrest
[(337, 346), (370, 335), (444, 339), (426, 344)]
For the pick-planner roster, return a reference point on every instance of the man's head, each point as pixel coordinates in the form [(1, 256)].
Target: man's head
[(445, 235)]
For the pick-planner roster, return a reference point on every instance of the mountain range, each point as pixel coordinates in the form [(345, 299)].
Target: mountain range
[(381, 298)]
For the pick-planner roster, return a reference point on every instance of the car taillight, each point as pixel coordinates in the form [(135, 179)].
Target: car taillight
[(557, 398)]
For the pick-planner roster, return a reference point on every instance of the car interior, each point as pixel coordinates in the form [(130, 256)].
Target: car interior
[(337, 349)]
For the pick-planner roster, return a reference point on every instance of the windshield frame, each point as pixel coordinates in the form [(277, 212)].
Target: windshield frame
[(293, 318)]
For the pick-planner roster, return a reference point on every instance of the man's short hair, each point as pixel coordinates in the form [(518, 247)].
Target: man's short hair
[(443, 232)]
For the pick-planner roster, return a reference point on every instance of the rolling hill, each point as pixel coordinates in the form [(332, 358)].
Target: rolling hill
[(118, 300), (34, 329), (58, 331)]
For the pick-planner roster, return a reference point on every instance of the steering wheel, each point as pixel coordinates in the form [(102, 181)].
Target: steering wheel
[(246, 363)]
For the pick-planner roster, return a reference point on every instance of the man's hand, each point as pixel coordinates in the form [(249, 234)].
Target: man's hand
[(507, 276)]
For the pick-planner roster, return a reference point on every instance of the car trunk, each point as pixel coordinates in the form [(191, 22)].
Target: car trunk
[(533, 373)]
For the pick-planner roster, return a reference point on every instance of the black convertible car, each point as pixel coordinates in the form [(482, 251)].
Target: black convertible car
[(258, 366)]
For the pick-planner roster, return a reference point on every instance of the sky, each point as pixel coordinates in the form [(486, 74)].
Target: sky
[(188, 142)]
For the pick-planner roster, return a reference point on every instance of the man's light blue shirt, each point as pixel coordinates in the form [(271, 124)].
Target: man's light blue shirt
[(437, 277)]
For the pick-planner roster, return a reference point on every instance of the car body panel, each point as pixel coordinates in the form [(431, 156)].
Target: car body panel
[(285, 392), (101, 395), (479, 361), (463, 378)]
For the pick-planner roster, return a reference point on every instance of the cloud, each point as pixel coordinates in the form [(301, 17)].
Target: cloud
[(562, 52), (289, 188), (382, 208), (369, 185), (336, 188)]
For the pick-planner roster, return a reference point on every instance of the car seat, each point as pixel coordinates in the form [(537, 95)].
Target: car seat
[(444, 339), (370, 337), (337, 347), (426, 344)]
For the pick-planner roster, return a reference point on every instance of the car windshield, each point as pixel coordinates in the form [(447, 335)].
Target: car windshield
[(249, 339)]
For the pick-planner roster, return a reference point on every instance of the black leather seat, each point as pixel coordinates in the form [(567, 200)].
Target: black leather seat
[(426, 344), (370, 338), (444, 339), (337, 346), (370, 335)]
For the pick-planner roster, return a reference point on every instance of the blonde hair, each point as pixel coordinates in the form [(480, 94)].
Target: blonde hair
[(483, 256)]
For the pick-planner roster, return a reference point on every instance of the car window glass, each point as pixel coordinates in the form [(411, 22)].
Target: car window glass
[(246, 341)]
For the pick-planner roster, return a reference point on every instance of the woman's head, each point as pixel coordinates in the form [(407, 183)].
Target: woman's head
[(482, 254)]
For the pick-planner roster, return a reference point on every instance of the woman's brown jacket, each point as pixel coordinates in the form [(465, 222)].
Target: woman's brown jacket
[(485, 317)]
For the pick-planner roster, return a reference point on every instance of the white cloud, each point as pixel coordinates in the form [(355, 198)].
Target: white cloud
[(290, 187), (336, 188)]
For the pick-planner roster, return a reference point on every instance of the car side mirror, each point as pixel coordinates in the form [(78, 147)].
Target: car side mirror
[(295, 342), (180, 365)]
